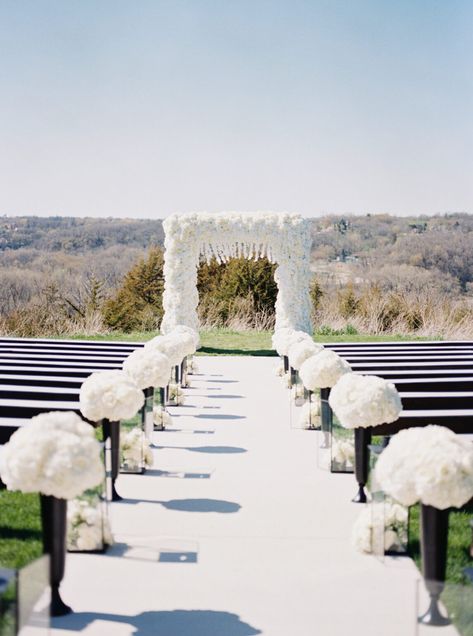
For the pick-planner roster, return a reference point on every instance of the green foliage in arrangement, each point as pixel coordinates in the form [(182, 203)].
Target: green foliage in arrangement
[(20, 529), (138, 302)]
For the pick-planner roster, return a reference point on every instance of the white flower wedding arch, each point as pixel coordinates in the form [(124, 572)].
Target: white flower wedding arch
[(284, 238)]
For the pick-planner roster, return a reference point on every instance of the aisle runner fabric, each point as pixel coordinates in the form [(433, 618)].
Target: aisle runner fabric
[(235, 531)]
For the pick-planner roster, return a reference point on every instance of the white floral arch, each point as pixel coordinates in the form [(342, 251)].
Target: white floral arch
[(284, 238)]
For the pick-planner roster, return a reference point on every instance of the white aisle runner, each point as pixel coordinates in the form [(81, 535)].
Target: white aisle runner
[(235, 531)]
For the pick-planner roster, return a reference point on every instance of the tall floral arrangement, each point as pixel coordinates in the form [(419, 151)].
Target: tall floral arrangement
[(430, 465), (111, 395), (55, 454)]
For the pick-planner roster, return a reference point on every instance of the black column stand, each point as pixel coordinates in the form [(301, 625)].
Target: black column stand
[(54, 523), (325, 417), (434, 542), (112, 430), (362, 455), (286, 364)]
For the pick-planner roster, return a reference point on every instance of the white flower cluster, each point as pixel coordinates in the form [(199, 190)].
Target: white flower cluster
[(284, 238), (390, 516), (310, 414), (148, 368), (363, 400), (135, 450), (343, 453), (431, 465), (176, 395), (283, 339), (323, 370), (279, 370), (192, 366), (161, 417), (300, 351), (55, 454), (111, 395), (87, 527), (178, 343)]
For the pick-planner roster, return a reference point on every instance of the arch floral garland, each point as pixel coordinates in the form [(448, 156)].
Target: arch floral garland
[(284, 238)]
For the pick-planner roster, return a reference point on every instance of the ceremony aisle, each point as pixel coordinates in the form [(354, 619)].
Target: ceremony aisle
[(235, 531)]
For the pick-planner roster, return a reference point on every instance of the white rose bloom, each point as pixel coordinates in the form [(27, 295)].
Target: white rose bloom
[(176, 394), (430, 465), (391, 518), (300, 351), (148, 368), (323, 370), (362, 401), (55, 454), (111, 395)]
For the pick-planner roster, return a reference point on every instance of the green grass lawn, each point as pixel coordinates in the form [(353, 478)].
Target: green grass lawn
[(255, 343), (20, 529)]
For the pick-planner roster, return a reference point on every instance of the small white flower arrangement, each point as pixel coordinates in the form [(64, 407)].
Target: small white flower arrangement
[(192, 366), (88, 528), (176, 395), (161, 418), (54, 454), (279, 370), (170, 346), (147, 368), (363, 401), (111, 395), (310, 414), (391, 516), (430, 465), (323, 370), (135, 450), (343, 453)]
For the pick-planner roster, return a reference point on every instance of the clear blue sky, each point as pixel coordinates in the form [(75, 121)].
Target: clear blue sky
[(142, 108)]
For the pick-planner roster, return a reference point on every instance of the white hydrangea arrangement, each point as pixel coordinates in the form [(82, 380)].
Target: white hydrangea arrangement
[(176, 395), (284, 339), (148, 368), (300, 351), (430, 465), (161, 418), (135, 450), (187, 331), (343, 453), (87, 528), (284, 238), (111, 395), (392, 516), (54, 454), (192, 366), (170, 346), (363, 400), (310, 414), (323, 370)]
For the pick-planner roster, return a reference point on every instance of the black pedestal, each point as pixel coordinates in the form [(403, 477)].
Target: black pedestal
[(112, 430), (434, 541), (362, 455), (54, 522)]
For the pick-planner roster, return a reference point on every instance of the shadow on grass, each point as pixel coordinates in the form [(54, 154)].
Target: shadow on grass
[(19, 533), (213, 351)]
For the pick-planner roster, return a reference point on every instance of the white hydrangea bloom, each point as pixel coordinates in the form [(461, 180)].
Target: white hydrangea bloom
[(323, 370), (431, 465), (111, 395), (364, 400), (148, 368), (392, 517), (55, 454), (299, 352), (170, 346)]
